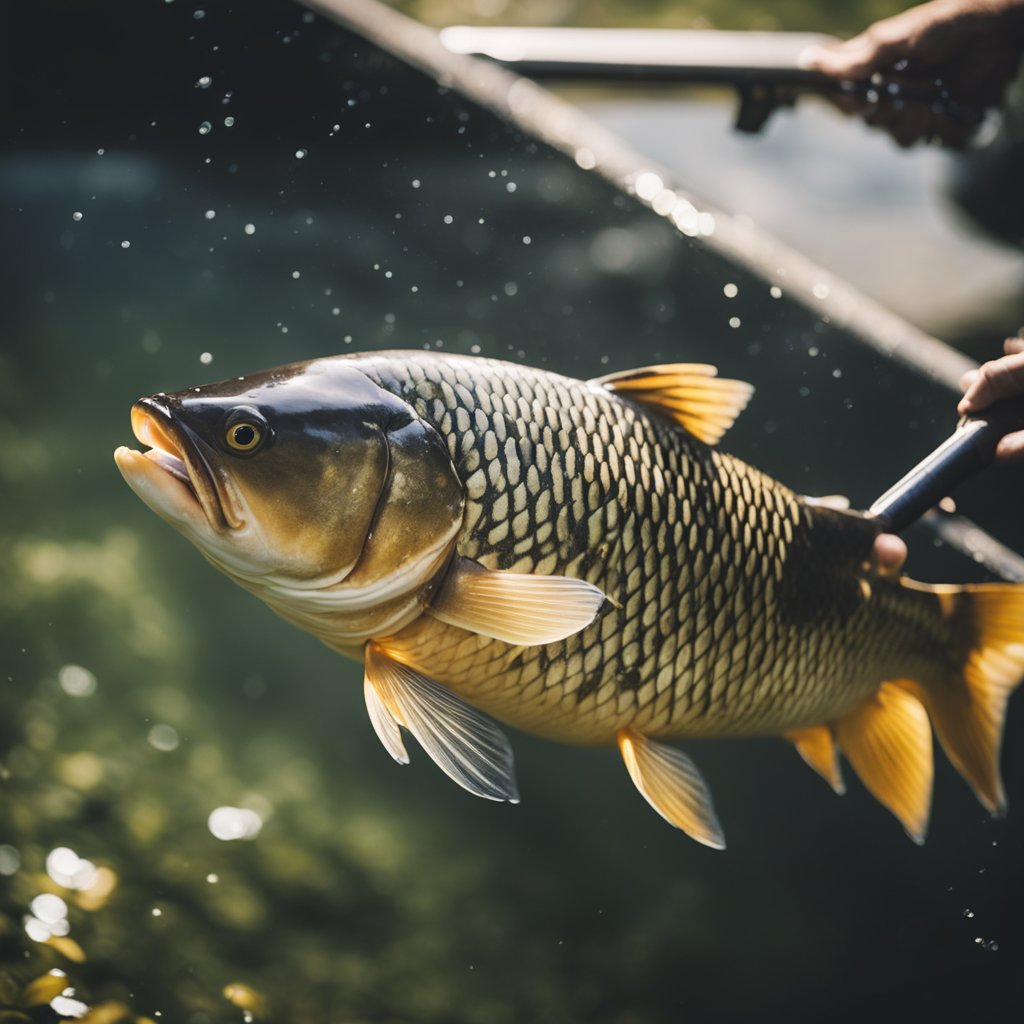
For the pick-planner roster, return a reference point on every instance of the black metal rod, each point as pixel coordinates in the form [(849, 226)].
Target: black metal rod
[(969, 449)]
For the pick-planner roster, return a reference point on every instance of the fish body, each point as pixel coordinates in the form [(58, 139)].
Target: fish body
[(577, 559)]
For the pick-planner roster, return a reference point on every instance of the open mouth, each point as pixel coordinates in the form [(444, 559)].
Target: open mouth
[(174, 452)]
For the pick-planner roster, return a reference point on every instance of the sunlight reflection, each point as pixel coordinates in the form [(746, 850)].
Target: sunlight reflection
[(66, 868), (229, 823), (77, 681), (49, 917), (10, 860), (163, 737)]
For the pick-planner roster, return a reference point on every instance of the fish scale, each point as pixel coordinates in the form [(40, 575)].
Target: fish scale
[(688, 543)]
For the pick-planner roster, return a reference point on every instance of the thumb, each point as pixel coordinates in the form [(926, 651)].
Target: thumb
[(854, 58)]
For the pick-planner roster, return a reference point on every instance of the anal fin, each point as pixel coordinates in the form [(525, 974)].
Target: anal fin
[(888, 740), (517, 608), (671, 783), (816, 745), (466, 745)]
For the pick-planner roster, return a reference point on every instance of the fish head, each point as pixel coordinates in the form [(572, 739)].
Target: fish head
[(306, 477)]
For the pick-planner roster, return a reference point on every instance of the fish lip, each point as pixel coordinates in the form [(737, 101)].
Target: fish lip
[(177, 452)]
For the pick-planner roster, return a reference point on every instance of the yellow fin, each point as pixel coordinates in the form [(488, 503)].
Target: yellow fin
[(968, 711), (817, 747), (466, 745), (518, 608), (889, 743), (672, 785), (691, 393)]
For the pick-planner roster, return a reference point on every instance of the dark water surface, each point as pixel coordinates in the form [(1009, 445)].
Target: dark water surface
[(354, 204)]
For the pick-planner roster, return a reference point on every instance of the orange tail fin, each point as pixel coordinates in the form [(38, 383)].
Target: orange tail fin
[(967, 702)]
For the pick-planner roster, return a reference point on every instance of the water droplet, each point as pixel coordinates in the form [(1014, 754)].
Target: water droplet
[(204, 83), (527, 239), (510, 187), (775, 292), (126, 244), (229, 823), (210, 214), (49, 908), (199, 15), (730, 291), (968, 913), (648, 185), (734, 321), (64, 1006), (585, 158), (300, 154), (77, 215), (448, 218), (296, 275), (250, 229), (165, 737), (205, 128), (415, 182), (229, 122), (10, 860), (75, 680)]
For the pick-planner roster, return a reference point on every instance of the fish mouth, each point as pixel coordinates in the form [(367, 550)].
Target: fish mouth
[(175, 451)]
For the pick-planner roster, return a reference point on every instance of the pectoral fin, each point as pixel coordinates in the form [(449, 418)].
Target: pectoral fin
[(691, 393), (888, 740), (517, 608), (466, 745), (384, 722), (672, 785), (817, 747)]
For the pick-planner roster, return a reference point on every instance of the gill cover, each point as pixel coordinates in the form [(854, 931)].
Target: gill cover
[(322, 475)]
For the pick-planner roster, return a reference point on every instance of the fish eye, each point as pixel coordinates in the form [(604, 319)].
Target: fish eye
[(246, 430)]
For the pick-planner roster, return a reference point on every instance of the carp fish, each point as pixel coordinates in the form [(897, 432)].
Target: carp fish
[(579, 560)]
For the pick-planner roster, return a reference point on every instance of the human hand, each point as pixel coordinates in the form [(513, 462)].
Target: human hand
[(992, 381), (972, 48), (889, 554)]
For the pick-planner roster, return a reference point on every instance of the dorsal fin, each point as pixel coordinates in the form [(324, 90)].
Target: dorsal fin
[(691, 393)]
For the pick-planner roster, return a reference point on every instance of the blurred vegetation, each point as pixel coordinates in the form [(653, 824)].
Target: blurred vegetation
[(139, 691), (843, 19)]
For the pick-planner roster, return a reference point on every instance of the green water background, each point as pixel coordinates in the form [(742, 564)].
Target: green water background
[(374, 892)]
